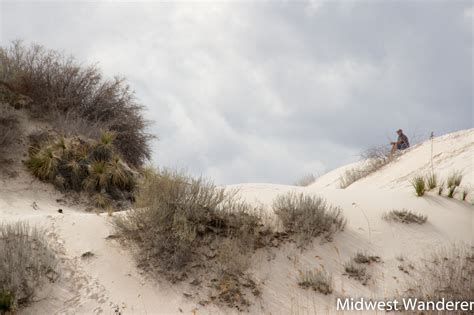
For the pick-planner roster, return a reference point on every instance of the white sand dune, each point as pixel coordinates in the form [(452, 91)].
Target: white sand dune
[(110, 279)]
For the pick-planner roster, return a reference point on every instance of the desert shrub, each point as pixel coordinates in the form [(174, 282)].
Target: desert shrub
[(59, 86), (357, 272), (178, 217), (306, 180), (373, 159), (432, 181), (82, 164), (26, 261), (319, 281), (364, 258), (446, 273), (418, 183), (308, 216), (405, 216)]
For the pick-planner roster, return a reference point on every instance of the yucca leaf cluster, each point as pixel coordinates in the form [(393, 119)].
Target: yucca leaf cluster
[(82, 164)]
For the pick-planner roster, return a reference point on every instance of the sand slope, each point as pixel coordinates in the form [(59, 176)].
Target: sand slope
[(110, 281)]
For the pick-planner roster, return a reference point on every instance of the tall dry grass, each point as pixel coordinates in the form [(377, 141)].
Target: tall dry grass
[(26, 263)]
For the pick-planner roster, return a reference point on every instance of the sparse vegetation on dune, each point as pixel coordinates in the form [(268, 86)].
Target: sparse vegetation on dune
[(405, 216), (308, 216), (320, 281), (182, 225), (26, 262), (373, 159), (446, 273), (59, 90), (355, 268)]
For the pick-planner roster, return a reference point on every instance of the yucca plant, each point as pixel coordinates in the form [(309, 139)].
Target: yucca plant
[(103, 150), (44, 164), (98, 178), (118, 175), (418, 182), (432, 181)]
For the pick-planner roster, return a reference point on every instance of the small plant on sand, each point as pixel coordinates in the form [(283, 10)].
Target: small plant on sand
[(308, 216), (431, 181), (319, 281), (465, 192), (26, 262), (405, 216), (357, 272), (364, 258), (418, 183), (453, 182)]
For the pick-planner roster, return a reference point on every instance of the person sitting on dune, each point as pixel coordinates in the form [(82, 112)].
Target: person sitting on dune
[(402, 142)]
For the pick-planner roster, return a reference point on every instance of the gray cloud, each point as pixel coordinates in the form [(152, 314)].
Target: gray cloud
[(270, 91)]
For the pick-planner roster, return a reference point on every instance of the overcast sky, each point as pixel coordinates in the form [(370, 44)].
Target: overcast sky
[(270, 91)]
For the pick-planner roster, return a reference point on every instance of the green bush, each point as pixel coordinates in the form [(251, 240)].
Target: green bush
[(61, 88), (418, 183), (26, 262), (308, 216)]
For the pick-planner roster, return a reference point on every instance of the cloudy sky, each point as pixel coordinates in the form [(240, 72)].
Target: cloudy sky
[(269, 91)]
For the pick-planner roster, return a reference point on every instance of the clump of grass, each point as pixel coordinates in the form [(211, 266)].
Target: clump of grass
[(364, 258), (357, 272), (405, 216), (320, 281), (373, 159), (454, 179), (308, 216), (465, 192), (431, 181), (26, 262), (418, 182), (453, 182), (445, 273)]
